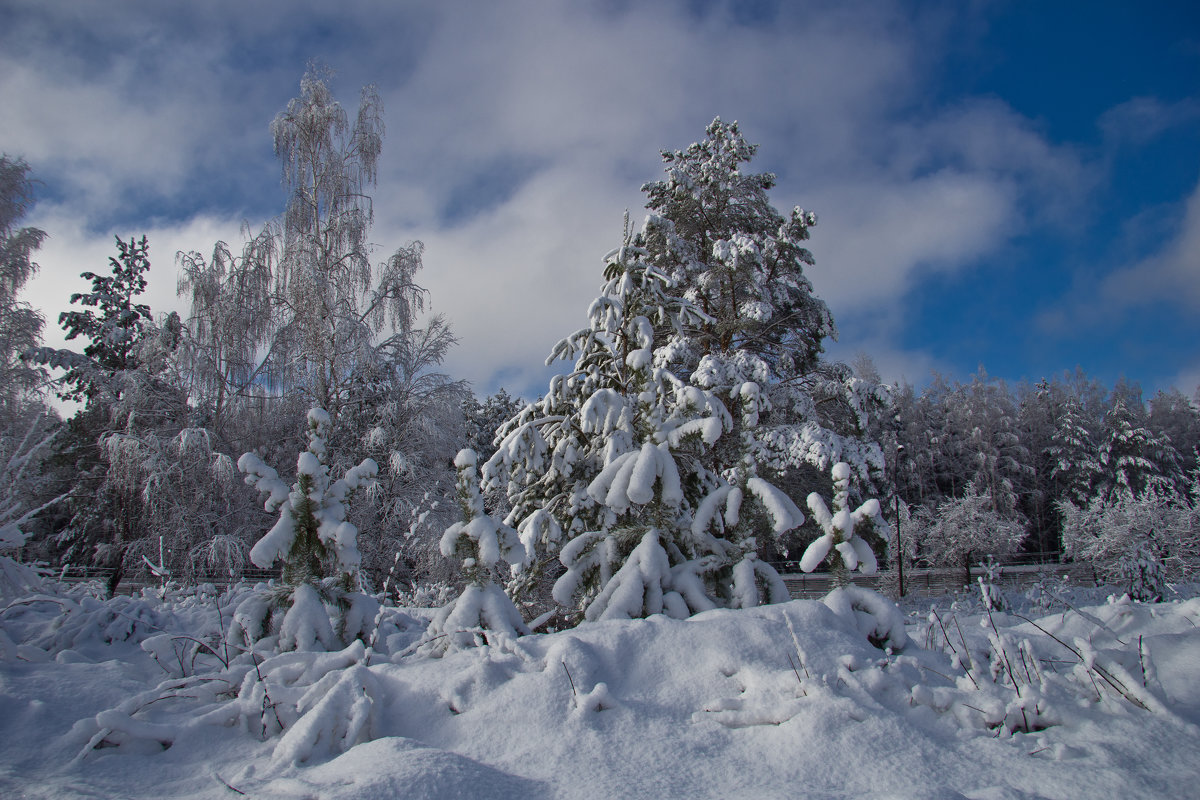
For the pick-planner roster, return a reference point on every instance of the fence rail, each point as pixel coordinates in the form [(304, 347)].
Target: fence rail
[(1019, 572), (940, 580), (132, 581)]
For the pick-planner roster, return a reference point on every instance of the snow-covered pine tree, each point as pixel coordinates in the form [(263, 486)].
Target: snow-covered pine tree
[(317, 544), (715, 234), (611, 460), (478, 542), (752, 343)]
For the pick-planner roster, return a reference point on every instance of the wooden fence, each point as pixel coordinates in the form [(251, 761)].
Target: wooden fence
[(917, 582), (135, 580), (942, 580)]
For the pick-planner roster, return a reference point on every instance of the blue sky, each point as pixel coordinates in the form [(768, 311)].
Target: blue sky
[(1013, 185)]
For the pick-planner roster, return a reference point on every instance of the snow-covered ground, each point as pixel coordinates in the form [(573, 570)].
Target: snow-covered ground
[(788, 700)]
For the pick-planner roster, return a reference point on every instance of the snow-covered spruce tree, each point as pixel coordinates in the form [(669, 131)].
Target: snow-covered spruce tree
[(714, 233), (477, 542), (611, 460), (318, 547), (114, 330), (1132, 458)]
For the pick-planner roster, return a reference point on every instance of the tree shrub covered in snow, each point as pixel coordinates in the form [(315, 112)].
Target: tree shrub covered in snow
[(1139, 540), (843, 531), (318, 548), (963, 529), (478, 542)]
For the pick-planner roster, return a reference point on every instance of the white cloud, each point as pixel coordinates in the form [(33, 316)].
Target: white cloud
[(585, 97), (1141, 119), (1171, 274), (873, 238), (1187, 381), (71, 249)]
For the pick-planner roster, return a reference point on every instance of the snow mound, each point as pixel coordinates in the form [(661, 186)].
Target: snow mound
[(396, 767), (1095, 701)]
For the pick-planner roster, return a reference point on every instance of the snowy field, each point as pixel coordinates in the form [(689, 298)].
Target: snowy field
[(137, 698)]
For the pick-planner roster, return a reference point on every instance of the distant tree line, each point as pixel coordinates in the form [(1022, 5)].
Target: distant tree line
[(1045, 467)]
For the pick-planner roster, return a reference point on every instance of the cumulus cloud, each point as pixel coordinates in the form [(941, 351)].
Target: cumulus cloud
[(518, 133)]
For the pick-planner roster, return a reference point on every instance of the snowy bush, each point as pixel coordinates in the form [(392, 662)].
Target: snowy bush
[(1143, 573), (478, 542), (318, 704), (1045, 672), (1140, 540), (842, 531), (962, 528), (989, 589), (875, 617)]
